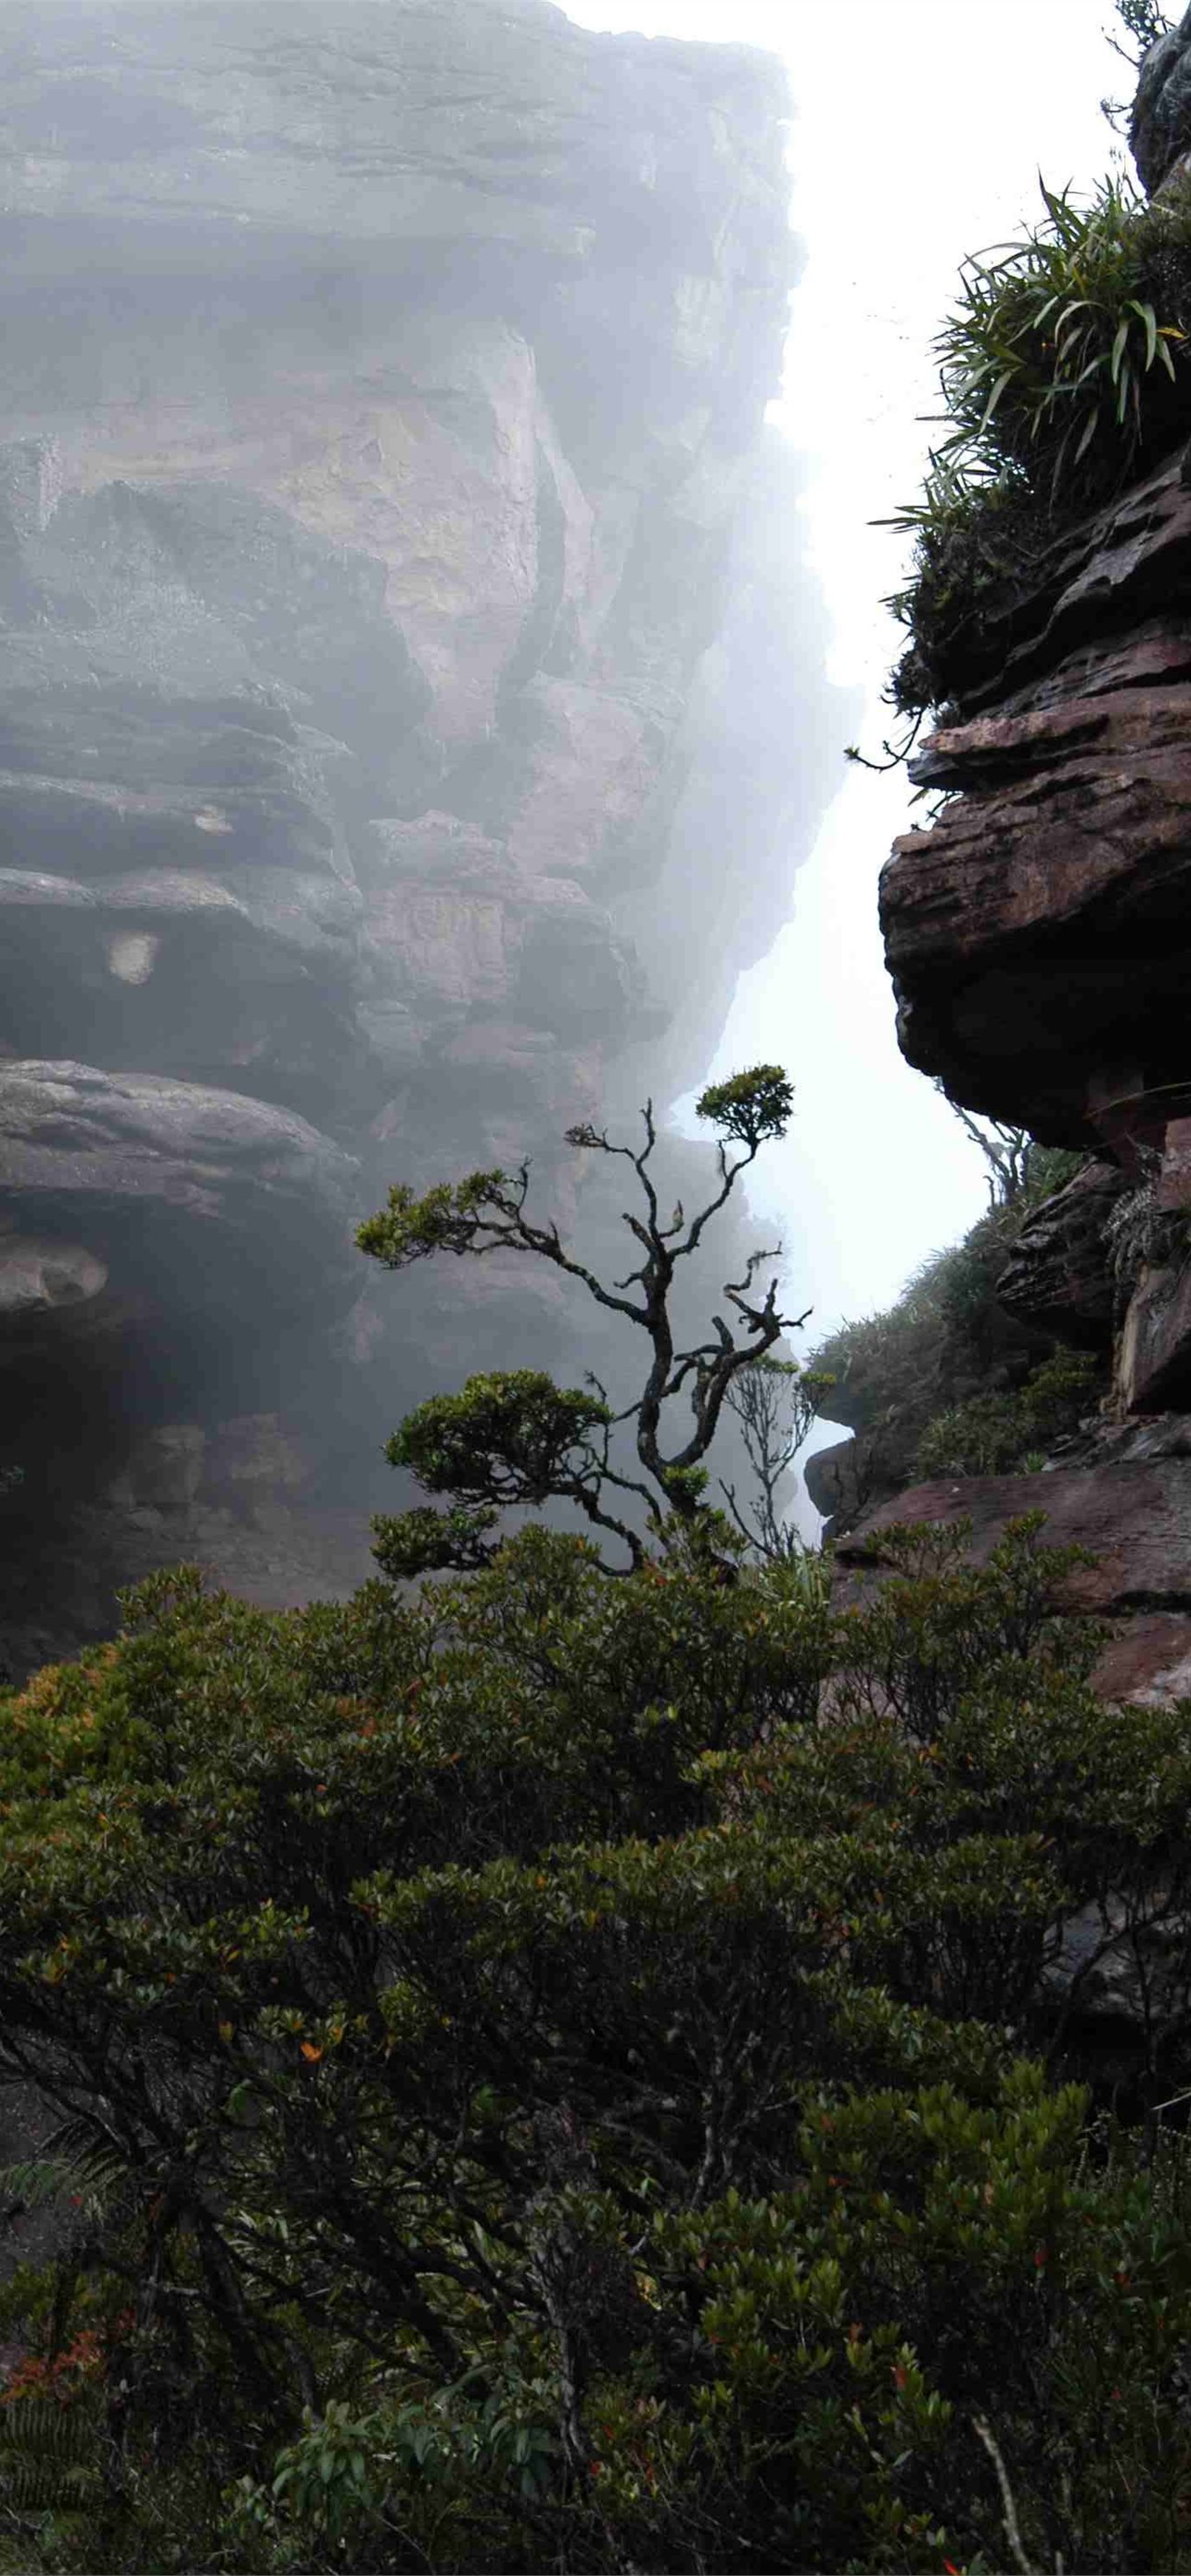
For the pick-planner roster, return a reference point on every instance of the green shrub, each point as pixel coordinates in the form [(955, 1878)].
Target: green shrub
[(948, 1347), (582, 2097), (1056, 362), (975, 545), (991, 1435)]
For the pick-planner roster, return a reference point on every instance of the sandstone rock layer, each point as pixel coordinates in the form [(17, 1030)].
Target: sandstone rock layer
[(1039, 933), (1039, 938)]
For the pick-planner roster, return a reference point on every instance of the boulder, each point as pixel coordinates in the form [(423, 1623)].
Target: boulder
[(835, 1479), (40, 1276)]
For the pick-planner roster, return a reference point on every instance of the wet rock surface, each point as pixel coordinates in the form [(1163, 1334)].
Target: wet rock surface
[(386, 567)]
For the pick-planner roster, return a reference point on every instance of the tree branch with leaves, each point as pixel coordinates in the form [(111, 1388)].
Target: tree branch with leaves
[(514, 1438)]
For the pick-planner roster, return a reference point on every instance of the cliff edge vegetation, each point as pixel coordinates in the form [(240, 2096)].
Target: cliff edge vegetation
[(1064, 374), (554, 2072)]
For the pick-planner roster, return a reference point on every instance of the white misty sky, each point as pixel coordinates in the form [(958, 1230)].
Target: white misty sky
[(920, 127)]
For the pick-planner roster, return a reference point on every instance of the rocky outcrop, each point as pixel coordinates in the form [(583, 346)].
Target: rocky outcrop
[(1039, 938), (1038, 934), (1133, 1513), (388, 587), (1053, 884), (164, 1176)]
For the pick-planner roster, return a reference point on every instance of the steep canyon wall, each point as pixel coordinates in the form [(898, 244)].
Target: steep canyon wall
[(400, 624)]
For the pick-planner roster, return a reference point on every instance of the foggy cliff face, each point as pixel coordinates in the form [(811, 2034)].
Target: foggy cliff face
[(396, 594)]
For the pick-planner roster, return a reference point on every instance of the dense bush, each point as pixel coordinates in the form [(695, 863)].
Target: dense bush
[(1063, 371), (571, 2075), (992, 1435), (901, 1377)]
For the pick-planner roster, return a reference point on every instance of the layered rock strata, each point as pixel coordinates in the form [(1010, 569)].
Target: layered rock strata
[(1038, 934), (389, 544), (1131, 1510)]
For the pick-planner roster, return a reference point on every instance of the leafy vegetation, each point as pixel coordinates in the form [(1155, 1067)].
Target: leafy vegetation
[(571, 2095), (566, 2074), (1063, 372), (945, 1380), (991, 1435)]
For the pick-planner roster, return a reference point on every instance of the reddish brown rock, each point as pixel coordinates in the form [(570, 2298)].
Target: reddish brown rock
[(1039, 935), (1135, 1518), (1154, 1361), (1149, 1662)]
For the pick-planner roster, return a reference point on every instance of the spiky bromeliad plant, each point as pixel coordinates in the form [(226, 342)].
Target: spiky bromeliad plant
[(1062, 371)]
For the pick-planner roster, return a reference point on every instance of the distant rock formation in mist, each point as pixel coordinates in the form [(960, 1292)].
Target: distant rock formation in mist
[(407, 714)]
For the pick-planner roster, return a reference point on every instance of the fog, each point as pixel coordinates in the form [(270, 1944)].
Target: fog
[(918, 135), (423, 688)]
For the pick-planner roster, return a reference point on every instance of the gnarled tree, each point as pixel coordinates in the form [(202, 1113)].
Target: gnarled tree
[(514, 1437)]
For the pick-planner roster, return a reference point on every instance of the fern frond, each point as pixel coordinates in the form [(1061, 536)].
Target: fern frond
[(37, 2486), (32, 2184), (42, 2432)]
